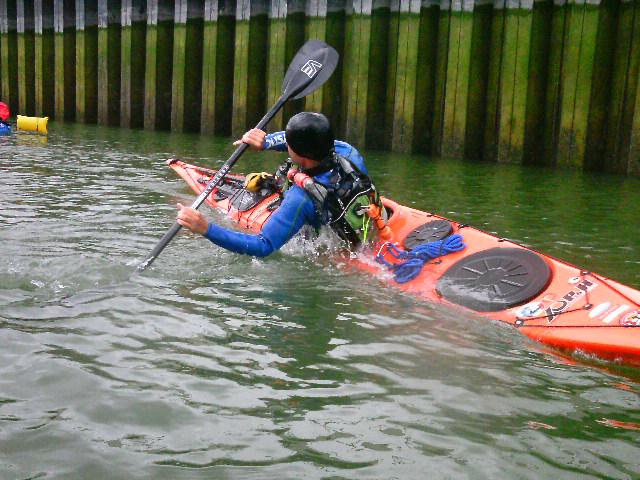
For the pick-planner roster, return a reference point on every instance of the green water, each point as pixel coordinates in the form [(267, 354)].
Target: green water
[(214, 365)]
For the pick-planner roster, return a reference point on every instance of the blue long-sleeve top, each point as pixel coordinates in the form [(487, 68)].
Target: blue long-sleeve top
[(297, 209), (5, 128)]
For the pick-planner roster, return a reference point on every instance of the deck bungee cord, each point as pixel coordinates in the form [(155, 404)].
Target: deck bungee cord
[(414, 260)]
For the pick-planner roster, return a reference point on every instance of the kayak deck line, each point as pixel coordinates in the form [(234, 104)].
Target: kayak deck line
[(547, 299)]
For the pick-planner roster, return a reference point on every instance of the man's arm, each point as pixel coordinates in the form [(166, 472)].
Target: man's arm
[(296, 210)]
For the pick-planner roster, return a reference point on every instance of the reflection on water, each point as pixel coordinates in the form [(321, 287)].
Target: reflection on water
[(213, 365)]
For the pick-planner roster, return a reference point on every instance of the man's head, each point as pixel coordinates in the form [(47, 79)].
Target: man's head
[(309, 135)]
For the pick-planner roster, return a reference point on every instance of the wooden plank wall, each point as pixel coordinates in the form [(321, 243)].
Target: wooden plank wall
[(548, 82)]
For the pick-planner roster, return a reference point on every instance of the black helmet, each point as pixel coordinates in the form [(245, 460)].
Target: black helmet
[(310, 135)]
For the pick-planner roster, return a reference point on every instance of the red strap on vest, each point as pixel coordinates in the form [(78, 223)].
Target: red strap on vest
[(299, 178)]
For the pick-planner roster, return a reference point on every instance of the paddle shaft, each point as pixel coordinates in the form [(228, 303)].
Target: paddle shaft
[(213, 183)]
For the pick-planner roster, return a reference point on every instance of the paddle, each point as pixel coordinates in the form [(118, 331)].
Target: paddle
[(311, 67)]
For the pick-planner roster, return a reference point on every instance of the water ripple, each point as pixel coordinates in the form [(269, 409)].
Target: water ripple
[(212, 365)]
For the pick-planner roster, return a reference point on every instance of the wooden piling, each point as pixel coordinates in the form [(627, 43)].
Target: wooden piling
[(442, 58), (26, 57), (356, 75), (109, 50), (277, 46), (64, 12), (405, 73), (553, 91), (393, 27), (44, 58), (601, 90), (376, 88), (634, 143), (575, 81), (426, 77), (624, 90), (552, 82), (366, 37), (217, 76), (285, 37), (86, 61), (187, 66), (158, 64), (537, 81), (511, 74), (455, 89), (325, 20), (9, 54), (133, 20), (249, 98), (633, 162), (478, 79)]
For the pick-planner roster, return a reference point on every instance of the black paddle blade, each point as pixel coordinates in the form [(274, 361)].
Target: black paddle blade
[(311, 67)]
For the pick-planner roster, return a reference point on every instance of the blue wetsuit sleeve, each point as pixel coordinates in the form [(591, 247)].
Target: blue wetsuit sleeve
[(296, 210), (276, 141)]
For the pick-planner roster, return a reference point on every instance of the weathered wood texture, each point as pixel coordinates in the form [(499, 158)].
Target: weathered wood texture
[(64, 74), (251, 40), (44, 58), (217, 57), (158, 64), (86, 61), (132, 62), (548, 82), (26, 57)]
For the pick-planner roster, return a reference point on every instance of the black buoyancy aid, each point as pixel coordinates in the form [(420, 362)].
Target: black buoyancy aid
[(343, 202)]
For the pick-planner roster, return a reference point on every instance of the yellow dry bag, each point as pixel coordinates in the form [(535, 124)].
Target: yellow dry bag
[(33, 124)]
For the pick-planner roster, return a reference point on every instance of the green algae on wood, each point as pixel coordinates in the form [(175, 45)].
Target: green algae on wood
[(356, 76), (623, 89), (217, 76), (158, 64), (405, 75), (442, 60), (633, 160), (478, 79), (44, 58), (578, 52), (187, 66), (537, 81), (456, 83), (64, 59), (132, 62), (426, 77), (513, 81), (26, 56), (325, 20), (9, 54), (109, 53), (86, 61), (249, 96)]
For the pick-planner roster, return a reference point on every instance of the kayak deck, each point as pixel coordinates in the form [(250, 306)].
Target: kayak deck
[(547, 299)]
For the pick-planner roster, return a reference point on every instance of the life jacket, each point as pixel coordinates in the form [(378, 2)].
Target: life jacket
[(344, 201)]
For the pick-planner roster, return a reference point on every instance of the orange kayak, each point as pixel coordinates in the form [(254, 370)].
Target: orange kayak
[(547, 299)]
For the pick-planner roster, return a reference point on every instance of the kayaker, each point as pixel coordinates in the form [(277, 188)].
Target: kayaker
[(5, 128), (325, 182)]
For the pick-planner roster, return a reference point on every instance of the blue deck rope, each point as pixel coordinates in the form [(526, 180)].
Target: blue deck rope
[(415, 259)]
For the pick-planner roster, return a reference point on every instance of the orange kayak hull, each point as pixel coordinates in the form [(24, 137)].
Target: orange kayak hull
[(573, 311)]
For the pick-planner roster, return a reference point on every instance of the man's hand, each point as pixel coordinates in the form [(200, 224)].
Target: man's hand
[(254, 138), (192, 219)]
